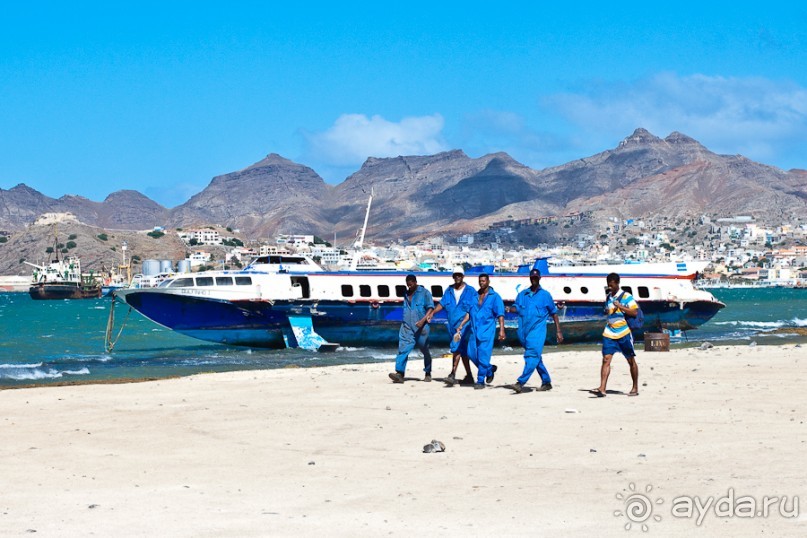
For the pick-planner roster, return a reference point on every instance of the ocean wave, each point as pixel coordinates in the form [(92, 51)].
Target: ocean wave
[(347, 348), (83, 358), (795, 322), (82, 371), (37, 365), (36, 374)]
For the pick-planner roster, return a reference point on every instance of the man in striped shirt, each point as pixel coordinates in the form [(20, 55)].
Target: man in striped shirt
[(617, 337)]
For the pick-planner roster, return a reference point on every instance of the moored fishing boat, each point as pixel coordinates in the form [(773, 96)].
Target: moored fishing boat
[(266, 307), (62, 279)]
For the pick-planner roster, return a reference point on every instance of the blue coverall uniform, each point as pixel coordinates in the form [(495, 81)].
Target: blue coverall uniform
[(410, 335), (455, 312), (483, 327), (534, 308)]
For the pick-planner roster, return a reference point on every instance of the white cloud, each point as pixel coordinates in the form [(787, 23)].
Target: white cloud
[(757, 117), (354, 137)]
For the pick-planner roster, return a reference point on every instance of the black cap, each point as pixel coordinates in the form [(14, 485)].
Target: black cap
[(535, 272)]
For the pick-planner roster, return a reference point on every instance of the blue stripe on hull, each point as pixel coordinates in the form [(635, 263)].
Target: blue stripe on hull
[(263, 324)]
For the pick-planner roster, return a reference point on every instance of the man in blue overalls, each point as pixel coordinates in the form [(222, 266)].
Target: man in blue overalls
[(484, 313), (417, 302), (534, 306), (457, 301)]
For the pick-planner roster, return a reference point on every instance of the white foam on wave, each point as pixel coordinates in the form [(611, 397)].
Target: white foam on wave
[(348, 348), (31, 375), (37, 365), (755, 324), (34, 372), (82, 371)]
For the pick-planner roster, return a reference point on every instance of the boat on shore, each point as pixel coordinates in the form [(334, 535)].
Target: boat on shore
[(262, 306)]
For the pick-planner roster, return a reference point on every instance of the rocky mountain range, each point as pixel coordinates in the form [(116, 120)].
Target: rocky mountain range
[(450, 193)]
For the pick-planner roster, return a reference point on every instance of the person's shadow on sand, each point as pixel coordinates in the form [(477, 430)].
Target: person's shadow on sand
[(595, 393)]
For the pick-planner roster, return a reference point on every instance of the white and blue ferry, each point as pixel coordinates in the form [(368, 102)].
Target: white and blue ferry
[(279, 301)]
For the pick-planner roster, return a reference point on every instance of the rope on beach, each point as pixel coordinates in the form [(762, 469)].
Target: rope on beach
[(109, 344)]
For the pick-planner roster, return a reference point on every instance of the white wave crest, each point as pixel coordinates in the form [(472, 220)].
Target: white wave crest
[(36, 374), (765, 324), (37, 365), (82, 371)]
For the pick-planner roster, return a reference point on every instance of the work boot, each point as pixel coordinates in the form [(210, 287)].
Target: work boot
[(518, 387), (397, 377), (428, 377), (545, 387), (479, 386), (467, 380), (489, 378), (450, 380)]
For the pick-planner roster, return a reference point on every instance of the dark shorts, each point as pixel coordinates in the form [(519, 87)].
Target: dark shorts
[(624, 345)]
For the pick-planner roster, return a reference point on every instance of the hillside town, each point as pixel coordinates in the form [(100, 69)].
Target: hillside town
[(738, 249)]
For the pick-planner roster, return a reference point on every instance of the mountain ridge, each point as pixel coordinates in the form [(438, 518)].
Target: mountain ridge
[(450, 193)]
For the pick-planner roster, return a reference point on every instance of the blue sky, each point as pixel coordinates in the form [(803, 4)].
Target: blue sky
[(162, 96)]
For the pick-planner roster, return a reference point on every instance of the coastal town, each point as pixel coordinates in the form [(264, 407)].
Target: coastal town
[(738, 249)]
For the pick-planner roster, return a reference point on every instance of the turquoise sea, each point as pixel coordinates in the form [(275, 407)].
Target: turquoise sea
[(45, 342)]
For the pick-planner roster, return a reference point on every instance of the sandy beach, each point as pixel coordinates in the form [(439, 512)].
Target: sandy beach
[(338, 451)]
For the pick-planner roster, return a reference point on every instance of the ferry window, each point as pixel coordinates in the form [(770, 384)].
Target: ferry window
[(243, 281), (644, 293), (204, 281), (584, 290), (224, 281), (165, 283), (181, 282), (347, 290), (437, 291), (383, 290), (627, 289), (364, 290), (400, 290), (567, 289)]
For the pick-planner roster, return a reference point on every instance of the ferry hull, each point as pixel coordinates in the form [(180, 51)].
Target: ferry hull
[(266, 323)]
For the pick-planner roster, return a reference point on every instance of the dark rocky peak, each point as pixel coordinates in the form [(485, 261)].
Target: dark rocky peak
[(22, 188), (680, 139), (640, 137), (128, 195), (414, 161), (273, 159), (503, 160), (74, 198), (272, 170)]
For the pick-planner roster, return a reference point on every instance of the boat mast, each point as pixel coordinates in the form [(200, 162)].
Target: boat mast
[(357, 246), (125, 264)]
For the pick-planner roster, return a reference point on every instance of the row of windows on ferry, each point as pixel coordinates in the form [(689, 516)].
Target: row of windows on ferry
[(348, 290), (365, 290)]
